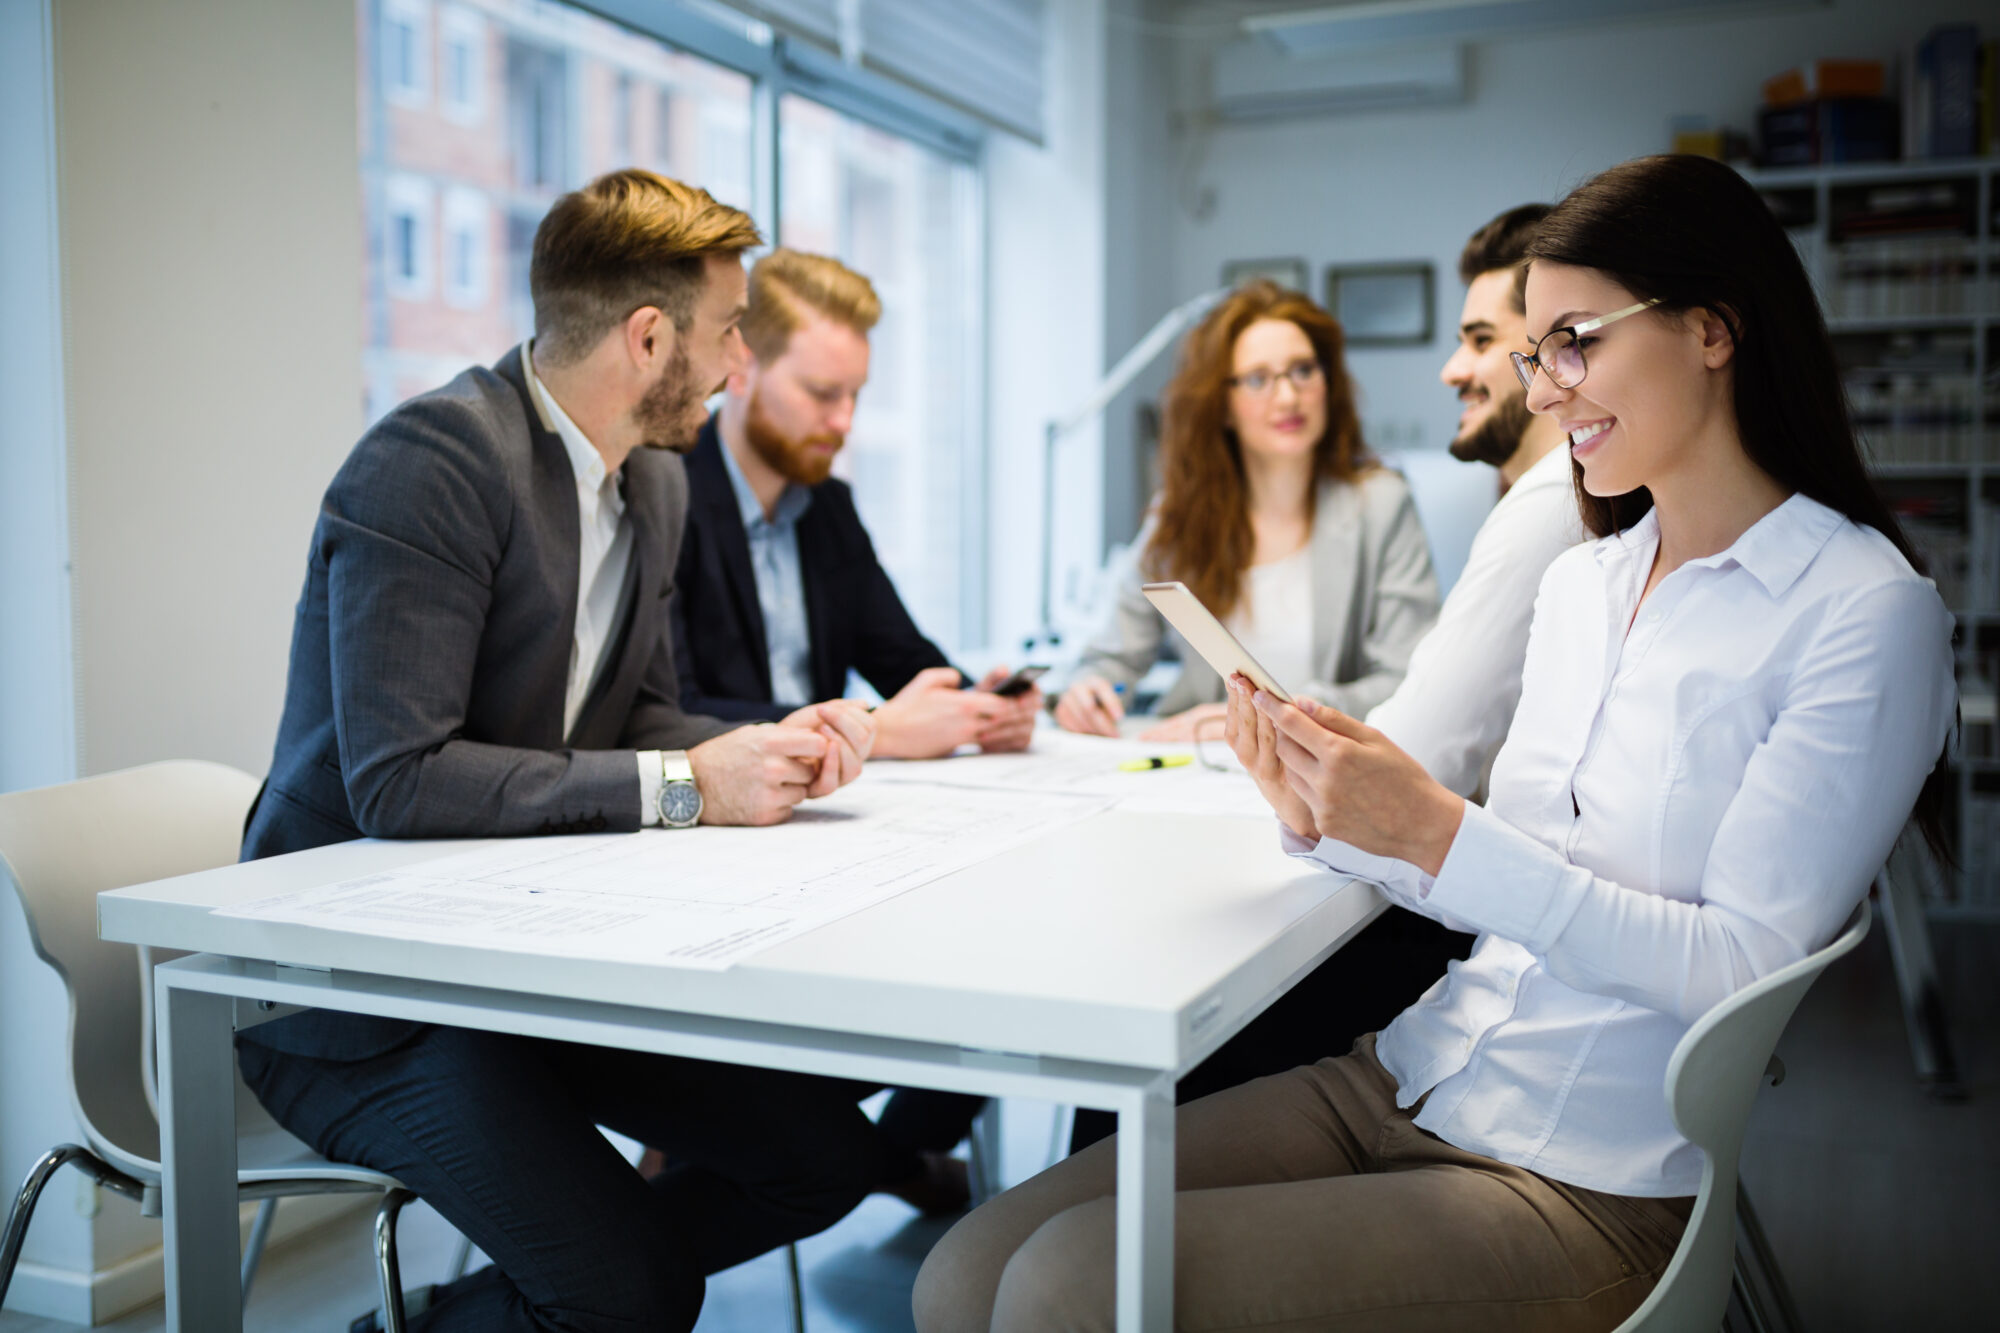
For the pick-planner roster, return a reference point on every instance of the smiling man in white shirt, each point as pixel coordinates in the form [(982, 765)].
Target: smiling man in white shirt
[(1453, 708), (1454, 705)]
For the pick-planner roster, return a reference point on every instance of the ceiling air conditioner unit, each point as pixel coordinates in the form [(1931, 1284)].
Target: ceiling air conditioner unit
[(1254, 80), (1352, 24)]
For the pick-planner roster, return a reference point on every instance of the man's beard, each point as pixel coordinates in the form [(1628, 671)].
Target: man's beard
[(1495, 439), (671, 413), (798, 461)]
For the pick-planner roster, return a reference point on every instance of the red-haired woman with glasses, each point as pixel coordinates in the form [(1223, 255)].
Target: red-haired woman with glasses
[(1276, 516)]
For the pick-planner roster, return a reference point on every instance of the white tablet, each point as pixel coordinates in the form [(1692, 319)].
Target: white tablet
[(1209, 636)]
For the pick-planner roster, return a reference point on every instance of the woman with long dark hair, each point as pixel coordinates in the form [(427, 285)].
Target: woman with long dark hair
[(1277, 517), (1730, 705)]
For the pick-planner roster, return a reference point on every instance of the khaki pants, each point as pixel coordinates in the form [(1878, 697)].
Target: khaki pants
[(1309, 1201)]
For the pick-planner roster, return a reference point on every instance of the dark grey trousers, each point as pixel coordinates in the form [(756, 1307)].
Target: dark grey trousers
[(499, 1134)]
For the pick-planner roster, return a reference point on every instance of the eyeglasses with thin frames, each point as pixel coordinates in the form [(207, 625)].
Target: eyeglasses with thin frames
[(1302, 374), (1562, 361)]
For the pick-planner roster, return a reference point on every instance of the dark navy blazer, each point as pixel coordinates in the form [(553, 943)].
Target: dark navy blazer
[(854, 619), (430, 651)]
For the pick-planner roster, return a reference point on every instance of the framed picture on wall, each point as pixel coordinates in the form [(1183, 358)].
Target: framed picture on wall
[(1293, 273), (1383, 305)]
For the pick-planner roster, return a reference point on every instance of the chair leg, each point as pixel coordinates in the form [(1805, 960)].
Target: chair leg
[(1743, 1301), (460, 1260), (983, 1145), (798, 1288), (1059, 1135), (253, 1253), (1766, 1277), (1900, 888), (30, 1193), (386, 1267)]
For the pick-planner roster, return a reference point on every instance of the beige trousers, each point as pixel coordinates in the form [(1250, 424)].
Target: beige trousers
[(1309, 1201)]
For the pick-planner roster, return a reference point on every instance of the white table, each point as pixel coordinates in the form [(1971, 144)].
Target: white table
[(1093, 965)]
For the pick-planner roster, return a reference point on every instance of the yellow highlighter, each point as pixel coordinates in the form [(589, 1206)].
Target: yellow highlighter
[(1157, 761)]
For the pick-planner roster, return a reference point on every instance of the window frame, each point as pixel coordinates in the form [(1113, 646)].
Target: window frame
[(415, 198), (778, 65), (417, 16), (460, 26), (465, 213)]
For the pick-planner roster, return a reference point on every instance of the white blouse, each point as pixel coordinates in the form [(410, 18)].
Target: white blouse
[(1452, 709), (1678, 810), (1274, 618)]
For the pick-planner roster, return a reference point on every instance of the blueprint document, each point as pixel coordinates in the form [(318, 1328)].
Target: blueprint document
[(1088, 767), (700, 898)]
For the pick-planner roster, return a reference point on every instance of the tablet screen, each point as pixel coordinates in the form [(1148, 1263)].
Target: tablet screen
[(1209, 636)]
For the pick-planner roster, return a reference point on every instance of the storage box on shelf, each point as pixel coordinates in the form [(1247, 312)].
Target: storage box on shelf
[(1913, 393), (1906, 257), (1900, 249)]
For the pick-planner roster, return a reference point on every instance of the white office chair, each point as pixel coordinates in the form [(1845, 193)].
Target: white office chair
[(1712, 1080), (1452, 500), (59, 848)]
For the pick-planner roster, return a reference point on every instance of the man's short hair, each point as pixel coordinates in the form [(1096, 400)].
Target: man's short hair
[(627, 240), (1503, 243), (787, 284)]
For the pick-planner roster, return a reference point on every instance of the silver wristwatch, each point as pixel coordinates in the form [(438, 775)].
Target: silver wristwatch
[(680, 800)]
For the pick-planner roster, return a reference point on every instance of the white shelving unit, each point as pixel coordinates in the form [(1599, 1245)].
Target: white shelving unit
[(1916, 315)]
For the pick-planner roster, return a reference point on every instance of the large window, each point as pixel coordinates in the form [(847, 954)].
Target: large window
[(533, 99), (906, 217), (476, 114)]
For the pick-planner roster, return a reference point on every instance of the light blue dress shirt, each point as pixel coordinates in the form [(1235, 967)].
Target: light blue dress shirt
[(781, 588)]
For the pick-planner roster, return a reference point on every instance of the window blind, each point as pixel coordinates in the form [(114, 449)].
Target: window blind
[(983, 56)]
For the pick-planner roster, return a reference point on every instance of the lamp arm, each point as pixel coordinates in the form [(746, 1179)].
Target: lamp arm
[(1143, 353), (1115, 382)]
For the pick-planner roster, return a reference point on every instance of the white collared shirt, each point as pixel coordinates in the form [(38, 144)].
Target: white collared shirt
[(604, 553), (1678, 810), (1273, 619), (1452, 709)]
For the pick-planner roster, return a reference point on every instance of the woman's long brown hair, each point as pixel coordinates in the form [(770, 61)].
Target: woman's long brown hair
[(1203, 536), (1692, 234)]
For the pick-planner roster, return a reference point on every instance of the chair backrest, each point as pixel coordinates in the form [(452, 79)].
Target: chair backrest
[(1712, 1081), (1452, 500), (60, 847)]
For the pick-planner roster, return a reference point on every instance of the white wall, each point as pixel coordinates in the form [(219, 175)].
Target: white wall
[(37, 737), (179, 375), (1545, 111), (211, 222), (1045, 227), (1138, 244), (37, 710)]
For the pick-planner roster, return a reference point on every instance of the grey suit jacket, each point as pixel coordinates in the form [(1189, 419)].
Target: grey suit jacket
[(1374, 596), (431, 647)]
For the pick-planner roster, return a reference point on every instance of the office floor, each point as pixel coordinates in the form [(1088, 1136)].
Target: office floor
[(1883, 1205)]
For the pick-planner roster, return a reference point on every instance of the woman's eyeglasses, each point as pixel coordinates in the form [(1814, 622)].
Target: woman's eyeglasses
[(1559, 352), (1302, 374)]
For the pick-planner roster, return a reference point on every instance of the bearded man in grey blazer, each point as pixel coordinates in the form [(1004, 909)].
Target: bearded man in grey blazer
[(481, 649)]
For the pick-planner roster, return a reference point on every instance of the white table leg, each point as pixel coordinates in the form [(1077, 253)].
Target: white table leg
[(198, 1157), (1146, 1211)]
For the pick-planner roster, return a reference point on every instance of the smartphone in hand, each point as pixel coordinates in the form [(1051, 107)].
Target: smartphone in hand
[(1020, 682)]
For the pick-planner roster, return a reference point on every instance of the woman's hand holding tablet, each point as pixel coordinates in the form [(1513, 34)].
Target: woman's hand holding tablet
[(1209, 637)]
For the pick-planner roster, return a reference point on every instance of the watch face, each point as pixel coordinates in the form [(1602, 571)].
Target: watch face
[(680, 803)]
